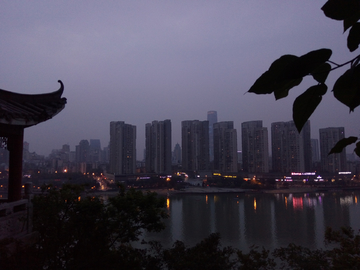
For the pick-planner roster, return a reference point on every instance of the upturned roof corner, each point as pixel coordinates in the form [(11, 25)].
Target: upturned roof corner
[(25, 110)]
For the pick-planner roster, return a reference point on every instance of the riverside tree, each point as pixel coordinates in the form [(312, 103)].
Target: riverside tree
[(289, 70), (83, 232)]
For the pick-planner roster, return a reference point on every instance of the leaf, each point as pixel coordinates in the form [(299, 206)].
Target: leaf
[(272, 80), (347, 88), (357, 149), (321, 72), (341, 9), (306, 103), (283, 91), (351, 21), (340, 145), (306, 64), (353, 39)]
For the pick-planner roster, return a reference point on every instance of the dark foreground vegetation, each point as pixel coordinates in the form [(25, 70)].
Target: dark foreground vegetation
[(76, 231)]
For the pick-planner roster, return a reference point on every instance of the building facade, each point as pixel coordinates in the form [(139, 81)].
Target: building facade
[(195, 145), (291, 150), (225, 147), (158, 147), (328, 138), (212, 118), (315, 150), (255, 147), (122, 148), (82, 151), (95, 151), (176, 157)]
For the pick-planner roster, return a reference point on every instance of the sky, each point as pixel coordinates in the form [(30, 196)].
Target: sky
[(140, 61)]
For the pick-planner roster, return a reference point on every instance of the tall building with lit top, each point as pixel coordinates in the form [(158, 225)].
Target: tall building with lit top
[(225, 147), (291, 150), (195, 145), (255, 147), (332, 163), (122, 148), (158, 147)]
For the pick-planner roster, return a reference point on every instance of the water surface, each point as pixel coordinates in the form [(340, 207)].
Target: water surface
[(269, 220)]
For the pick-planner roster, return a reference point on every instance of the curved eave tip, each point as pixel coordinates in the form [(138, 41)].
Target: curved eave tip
[(61, 90)]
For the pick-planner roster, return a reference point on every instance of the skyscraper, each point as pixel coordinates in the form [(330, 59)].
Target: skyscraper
[(315, 150), (291, 150), (82, 151), (195, 145), (255, 147), (225, 147), (176, 158), (328, 138), (95, 150), (212, 118), (158, 147), (122, 148)]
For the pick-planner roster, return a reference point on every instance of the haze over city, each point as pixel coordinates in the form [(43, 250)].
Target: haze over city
[(139, 61)]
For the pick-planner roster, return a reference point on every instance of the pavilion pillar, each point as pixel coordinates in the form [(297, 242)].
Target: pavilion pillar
[(15, 147)]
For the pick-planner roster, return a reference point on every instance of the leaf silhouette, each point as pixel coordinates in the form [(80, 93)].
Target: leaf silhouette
[(353, 39), (305, 104), (272, 80), (340, 145), (347, 88)]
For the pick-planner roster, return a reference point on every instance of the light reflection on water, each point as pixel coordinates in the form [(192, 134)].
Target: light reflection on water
[(270, 220)]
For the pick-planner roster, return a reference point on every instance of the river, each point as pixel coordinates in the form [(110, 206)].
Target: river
[(261, 219)]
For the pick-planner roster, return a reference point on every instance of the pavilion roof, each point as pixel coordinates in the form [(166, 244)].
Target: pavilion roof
[(24, 110)]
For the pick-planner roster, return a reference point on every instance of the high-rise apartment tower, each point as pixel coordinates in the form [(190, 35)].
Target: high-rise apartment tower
[(212, 118), (158, 147), (122, 148), (225, 147), (291, 150), (315, 150), (82, 151), (255, 147), (176, 157), (195, 145), (328, 138)]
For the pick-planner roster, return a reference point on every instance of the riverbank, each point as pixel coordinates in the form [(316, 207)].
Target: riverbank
[(214, 190), (218, 190)]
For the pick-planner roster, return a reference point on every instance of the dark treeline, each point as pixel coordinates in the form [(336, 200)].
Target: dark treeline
[(76, 231)]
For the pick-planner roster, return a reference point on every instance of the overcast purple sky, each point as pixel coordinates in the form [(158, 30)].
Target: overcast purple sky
[(139, 61)]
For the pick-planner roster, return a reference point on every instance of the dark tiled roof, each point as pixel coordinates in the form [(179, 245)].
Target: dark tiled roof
[(28, 110)]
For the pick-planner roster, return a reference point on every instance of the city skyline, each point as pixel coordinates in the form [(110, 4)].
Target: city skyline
[(293, 152), (139, 61), (239, 139)]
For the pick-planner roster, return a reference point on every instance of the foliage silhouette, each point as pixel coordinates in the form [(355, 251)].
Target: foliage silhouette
[(80, 232), (289, 70)]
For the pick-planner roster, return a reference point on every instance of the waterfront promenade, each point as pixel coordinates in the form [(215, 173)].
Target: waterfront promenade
[(211, 190), (214, 190)]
